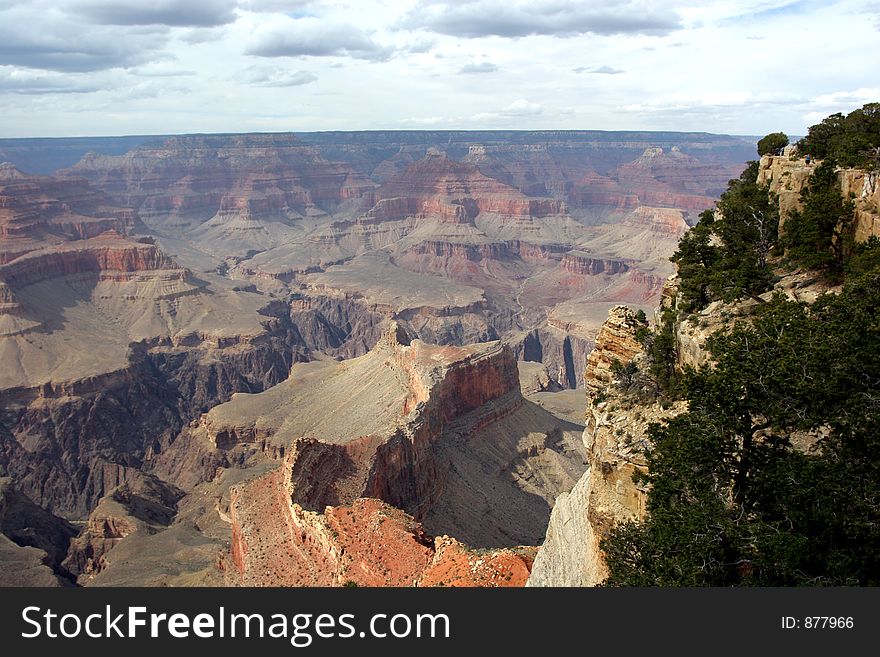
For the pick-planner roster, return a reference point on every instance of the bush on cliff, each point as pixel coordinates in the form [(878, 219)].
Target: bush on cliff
[(772, 143), (731, 500), (728, 258), (819, 235)]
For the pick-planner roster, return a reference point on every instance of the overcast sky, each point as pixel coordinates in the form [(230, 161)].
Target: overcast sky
[(112, 67)]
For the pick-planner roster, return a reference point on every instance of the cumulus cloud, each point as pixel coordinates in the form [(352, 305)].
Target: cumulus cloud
[(275, 77), (312, 37), (482, 67), (547, 17), (601, 70), (200, 13)]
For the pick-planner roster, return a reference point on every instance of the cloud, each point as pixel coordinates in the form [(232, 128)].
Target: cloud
[(18, 81), (714, 103), (546, 17), (522, 107), (482, 67), (845, 98), (49, 46), (518, 109), (199, 35), (273, 77), (173, 13), (312, 37), (282, 6), (425, 121), (420, 47), (601, 70)]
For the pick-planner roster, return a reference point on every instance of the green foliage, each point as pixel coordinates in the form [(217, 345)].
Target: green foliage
[(864, 257), (772, 142), (848, 139), (641, 317), (728, 259), (818, 236), (662, 356), (698, 261), (731, 501)]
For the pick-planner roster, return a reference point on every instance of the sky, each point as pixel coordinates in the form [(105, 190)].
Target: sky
[(120, 67)]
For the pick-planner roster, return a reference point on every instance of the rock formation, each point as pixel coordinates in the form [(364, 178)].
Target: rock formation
[(350, 466), (787, 175), (616, 432), (614, 438), (33, 542)]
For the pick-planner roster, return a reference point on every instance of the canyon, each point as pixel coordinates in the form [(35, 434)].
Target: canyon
[(282, 358)]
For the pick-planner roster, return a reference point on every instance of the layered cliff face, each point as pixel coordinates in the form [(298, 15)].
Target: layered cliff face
[(673, 179), (347, 467), (38, 211), (201, 174)]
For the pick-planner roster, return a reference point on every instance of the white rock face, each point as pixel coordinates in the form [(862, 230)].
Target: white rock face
[(567, 557)]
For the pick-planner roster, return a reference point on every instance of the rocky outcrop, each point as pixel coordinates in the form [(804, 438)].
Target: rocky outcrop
[(420, 426), (33, 542), (864, 188), (788, 175), (615, 437), (142, 504), (617, 424), (616, 342), (535, 377), (367, 543), (585, 264)]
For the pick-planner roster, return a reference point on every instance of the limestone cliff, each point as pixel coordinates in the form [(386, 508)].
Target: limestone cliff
[(615, 437)]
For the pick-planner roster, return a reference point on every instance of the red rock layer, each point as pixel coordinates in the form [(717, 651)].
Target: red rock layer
[(366, 543), (108, 253), (455, 192), (672, 179), (38, 210)]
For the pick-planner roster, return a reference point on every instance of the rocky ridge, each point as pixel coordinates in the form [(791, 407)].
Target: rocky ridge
[(331, 486)]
